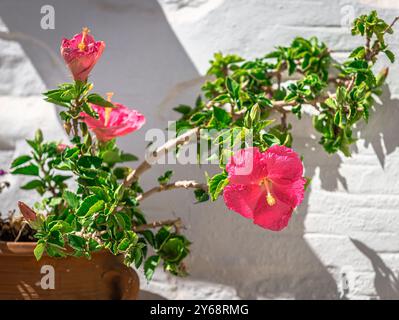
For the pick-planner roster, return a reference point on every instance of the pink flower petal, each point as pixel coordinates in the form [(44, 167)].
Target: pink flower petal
[(274, 217), (291, 194), (122, 121), (243, 199), (283, 164), (246, 167)]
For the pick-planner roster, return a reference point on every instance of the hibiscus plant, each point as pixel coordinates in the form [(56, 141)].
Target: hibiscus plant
[(260, 178)]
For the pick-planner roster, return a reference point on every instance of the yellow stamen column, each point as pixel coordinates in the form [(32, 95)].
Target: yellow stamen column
[(82, 44), (108, 110), (271, 201)]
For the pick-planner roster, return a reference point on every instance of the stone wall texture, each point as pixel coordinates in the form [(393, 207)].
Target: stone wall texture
[(346, 230)]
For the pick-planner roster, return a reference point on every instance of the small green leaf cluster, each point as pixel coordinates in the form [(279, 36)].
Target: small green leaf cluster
[(171, 248), (41, 164)]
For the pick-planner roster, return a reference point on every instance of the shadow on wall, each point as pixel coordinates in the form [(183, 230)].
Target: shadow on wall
[(386, 283), (257, 262)]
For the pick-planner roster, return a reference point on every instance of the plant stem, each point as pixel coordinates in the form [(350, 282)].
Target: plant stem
[(186, 184), (157, 224), (158, 153)]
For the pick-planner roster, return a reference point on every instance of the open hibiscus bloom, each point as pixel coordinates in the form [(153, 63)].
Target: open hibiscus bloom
[(114, 122), (81, 54), (265, 187)]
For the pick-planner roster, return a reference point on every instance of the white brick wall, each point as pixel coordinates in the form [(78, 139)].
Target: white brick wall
[(349, 220)]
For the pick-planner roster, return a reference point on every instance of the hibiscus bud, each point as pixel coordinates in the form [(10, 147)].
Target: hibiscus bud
[(67, 127), (39, 136), (61, 147), (26, 211), (381, 77), (81, 54)]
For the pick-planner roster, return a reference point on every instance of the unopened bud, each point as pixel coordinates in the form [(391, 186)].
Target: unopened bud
[(61, 147), (39, 136), (67, 127), (382, 75), (26, 211)]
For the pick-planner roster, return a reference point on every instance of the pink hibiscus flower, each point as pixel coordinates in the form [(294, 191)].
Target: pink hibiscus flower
[(265, 187), (113, 122), (81, 54)]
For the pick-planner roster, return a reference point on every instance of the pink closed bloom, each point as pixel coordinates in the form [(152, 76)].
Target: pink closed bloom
[(81, 54), (61, 147), (115, 122), (265, 187)]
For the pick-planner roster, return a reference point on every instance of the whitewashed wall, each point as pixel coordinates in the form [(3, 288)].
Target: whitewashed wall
[(348, 224)]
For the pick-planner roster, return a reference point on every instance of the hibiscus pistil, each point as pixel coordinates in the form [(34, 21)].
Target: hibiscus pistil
[(108, 110), (271, 201), (82, 45)]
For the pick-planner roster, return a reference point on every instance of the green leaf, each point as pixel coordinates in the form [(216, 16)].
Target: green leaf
[(124, 245), (99, 101), (201, 195), (332, 103), (90, 162), (216, 184), (173, 250), (150, 265), (89, 206), (39, 250), (100, 192), (183, 109), (255, 113), (76, 242), (94, 245), (55, 201), (162, 235), (358, 53), (71, 198), (138, 257), (221, 115), (270, 139), (165, 178), (60, 178), (149, 236), (126, 157), (20, 160), (123, 220), (89, 110), (341, 94), (33, 185), (233, 87), (119, 192), (112, 157), (390, 55), (30, 170)]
